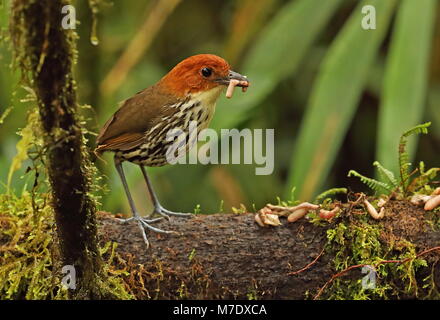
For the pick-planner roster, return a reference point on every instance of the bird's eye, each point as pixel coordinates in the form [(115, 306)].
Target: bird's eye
[(206, 72)]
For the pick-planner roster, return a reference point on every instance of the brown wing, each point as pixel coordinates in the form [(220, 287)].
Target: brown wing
[(125, 141), (127, 127)]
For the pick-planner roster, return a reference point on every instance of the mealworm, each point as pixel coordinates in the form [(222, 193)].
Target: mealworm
[(373, 212), (297, 214), (233, 83), (381, 202), (419, 199), (258, 220), (326, 214), (432, 203)]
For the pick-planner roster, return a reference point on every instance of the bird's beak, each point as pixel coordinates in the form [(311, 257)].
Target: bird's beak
[(233, 75)]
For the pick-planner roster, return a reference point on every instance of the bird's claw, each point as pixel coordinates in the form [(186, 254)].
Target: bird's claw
[(167, 213), (127, 220), (144, 223)]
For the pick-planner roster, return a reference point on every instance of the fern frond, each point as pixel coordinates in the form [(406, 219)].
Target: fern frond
[(371, 183), (403, 154), (386, 174), (330, 192), (423, 179)]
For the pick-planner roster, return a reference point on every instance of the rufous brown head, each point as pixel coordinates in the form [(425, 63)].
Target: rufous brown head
[(199, 73)]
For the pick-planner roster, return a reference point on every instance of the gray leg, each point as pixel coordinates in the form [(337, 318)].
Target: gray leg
[(157, 206), (142, 222), (118, 165)]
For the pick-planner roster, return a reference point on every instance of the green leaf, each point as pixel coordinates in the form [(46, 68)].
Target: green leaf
[(335, 97), (406, 77), (276, 55)]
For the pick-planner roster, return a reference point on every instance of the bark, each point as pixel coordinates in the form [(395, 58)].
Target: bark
[(45, 53), (224, 256)]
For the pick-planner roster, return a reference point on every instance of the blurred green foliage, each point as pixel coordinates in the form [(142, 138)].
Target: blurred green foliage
[(337, 95)]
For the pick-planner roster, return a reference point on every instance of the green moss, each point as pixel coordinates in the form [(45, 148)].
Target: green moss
[(360, 241), (26, 249), (29, 256), (252, 294)]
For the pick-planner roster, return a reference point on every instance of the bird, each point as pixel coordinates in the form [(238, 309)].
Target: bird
[(137, 131)]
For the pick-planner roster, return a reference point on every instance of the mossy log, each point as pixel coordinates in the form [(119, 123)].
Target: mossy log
[(228, 256)]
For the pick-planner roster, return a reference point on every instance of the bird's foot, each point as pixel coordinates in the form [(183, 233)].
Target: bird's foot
[(167, 213), (138, 217), (144, 223)]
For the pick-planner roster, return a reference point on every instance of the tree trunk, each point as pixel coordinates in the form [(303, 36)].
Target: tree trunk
[(45, 52), (225, 256)]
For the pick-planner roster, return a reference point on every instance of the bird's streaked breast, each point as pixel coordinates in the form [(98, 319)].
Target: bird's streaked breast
[(199, 107)]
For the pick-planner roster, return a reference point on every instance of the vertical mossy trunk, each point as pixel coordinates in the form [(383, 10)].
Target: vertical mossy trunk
[(45, 53)]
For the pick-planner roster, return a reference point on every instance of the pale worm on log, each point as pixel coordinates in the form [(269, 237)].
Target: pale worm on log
[(297, 214), (304, 205), (381, 202), (419, 199), (258, 220), (326, 214), (373, 212), (269, 214), (271, 219), (265, 217), (432, 203)]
